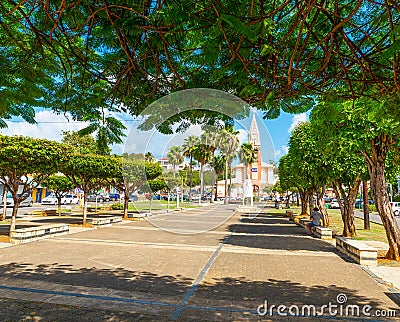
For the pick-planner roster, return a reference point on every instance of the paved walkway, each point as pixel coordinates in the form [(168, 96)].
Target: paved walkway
[(209, 264)]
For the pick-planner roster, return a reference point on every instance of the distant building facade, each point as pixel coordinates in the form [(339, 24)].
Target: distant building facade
[(260, 173)]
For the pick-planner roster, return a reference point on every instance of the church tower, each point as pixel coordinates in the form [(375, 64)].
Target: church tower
[(256, 167), (254, 134)]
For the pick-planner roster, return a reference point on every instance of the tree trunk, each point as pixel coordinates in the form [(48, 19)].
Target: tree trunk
[(321, 206), (367, 225), (4, 214), (13, 223), (376, 168), (59, 206), (347, 206), (230, 181), (191, 175), (303, 199), (85, 193), (226, 181), (349, 229), (212, 178), (310, 199), (201, 181), (126, 203)]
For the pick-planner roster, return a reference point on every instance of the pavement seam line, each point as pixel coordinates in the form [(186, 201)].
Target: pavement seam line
[(203, 272), (91, 296), (379, 280)]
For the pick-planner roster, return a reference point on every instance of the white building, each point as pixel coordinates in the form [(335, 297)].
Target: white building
[(168, 166)]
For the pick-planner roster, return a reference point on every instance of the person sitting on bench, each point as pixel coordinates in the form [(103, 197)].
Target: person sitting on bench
[(316, 220)]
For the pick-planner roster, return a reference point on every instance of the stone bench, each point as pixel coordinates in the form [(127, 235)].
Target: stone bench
[(139, 215), (302, 221), (357, 250), (248, 209), (26, 235), (116, 220), (101, 222), (289, 213), (322, 232)]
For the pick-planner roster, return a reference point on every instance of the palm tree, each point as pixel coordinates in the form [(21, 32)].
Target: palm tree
[(149, 157), (175, 156), (248, 154), (229, 144), (201, 154), (211, 140), (219, 168), (188, 146), (108, 130)]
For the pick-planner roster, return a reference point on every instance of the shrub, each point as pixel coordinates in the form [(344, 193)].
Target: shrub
[(117, 206), (372, 208), (396, 198)]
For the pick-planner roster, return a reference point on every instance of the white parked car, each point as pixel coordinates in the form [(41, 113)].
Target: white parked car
[(396, 208), (334, 204), (70, 199), (10, 201), (50, 200)]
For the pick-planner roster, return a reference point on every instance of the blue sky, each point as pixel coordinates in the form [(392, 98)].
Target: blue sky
[(50, 125)]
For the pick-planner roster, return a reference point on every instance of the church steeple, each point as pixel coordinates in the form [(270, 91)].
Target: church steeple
[(254, 134)]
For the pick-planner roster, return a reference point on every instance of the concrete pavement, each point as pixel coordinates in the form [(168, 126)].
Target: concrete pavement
[(201, 264)]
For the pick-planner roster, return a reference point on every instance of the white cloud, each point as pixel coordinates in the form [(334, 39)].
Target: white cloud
[(152, 141), (296, 120), (49, 126), (243, 136), (282, 151)]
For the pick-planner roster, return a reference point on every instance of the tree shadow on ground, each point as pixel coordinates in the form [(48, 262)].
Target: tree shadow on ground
[(119, 279), (247, 293), (5, 229), (280, 243), (219, 299), (264, 220), (280, 234)]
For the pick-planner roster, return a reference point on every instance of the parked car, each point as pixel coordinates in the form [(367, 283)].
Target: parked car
[(114, 196), (396, 208), (133, 198), (334, 204), (70, 199), (172, 197), (94, 197), (28, 202), (105, 196), (50, 200), (195, 197), (360, 203)]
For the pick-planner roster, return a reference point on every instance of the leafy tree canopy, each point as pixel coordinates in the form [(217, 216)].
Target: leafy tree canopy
[(87, 56)]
